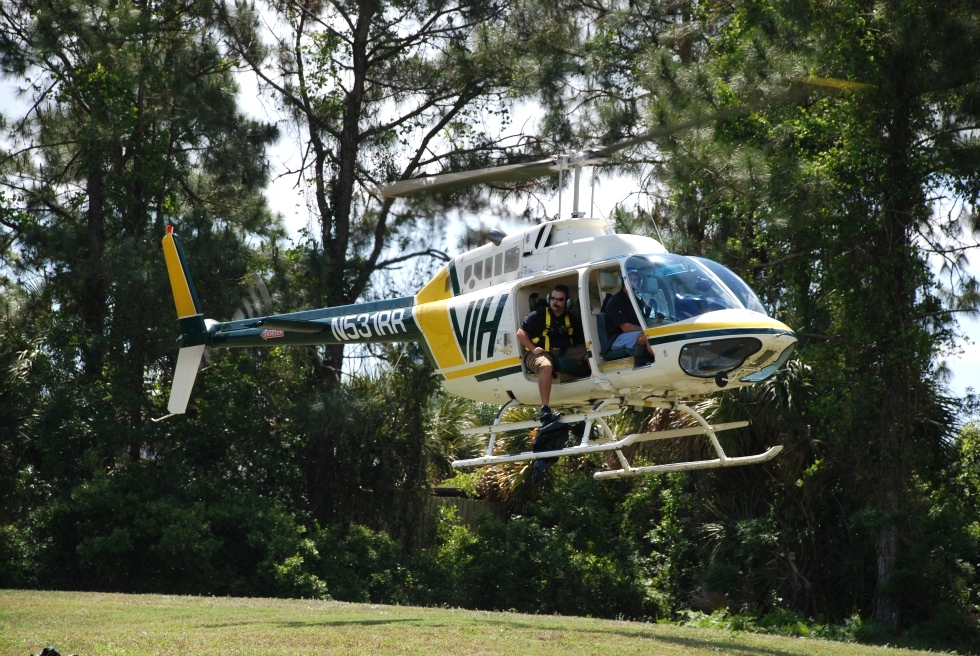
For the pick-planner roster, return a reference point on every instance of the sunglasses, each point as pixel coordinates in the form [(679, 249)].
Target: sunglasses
[(560, 299)]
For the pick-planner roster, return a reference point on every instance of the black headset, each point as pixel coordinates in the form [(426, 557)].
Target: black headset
[(561, 288)]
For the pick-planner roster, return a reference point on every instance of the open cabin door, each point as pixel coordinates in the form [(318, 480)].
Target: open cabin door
[(533, 296)]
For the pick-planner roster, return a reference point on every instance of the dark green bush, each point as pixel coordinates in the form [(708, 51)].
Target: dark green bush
[(557, 562), (134, 531), (18, 556), (362, 565)]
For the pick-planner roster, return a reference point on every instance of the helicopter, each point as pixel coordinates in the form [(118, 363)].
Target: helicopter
[(707, 328)]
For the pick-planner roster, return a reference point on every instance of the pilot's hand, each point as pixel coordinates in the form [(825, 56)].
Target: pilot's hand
[(537, 350)]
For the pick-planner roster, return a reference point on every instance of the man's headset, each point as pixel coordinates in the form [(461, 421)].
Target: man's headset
[(568, 297)]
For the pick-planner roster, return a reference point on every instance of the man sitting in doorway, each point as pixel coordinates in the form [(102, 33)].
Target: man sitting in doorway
[(549, 333), (623, 326)]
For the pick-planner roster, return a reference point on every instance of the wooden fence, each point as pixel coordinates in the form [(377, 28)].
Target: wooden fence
[(467, 509)]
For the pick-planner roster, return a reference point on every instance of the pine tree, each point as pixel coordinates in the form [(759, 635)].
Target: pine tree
[(131, 124), (379, 90)]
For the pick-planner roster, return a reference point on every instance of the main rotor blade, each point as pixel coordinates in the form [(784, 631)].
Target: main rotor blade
[(531, 170), (665, 131), (446, 181)]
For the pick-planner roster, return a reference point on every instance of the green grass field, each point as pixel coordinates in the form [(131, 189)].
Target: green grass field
[(90, 624)]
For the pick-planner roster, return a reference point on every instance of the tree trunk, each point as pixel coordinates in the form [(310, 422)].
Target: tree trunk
[(93, 293), (886, 609)]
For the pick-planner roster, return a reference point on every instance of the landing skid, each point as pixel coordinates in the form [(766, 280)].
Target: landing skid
[(597, 416)]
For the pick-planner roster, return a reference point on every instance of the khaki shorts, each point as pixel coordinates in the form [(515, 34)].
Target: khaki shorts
[(534, 363)]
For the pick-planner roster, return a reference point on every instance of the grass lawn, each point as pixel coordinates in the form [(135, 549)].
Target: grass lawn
[(91, 624)]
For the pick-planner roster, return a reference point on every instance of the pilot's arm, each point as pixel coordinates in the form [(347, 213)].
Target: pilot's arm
[(526, 342), (625, 318)]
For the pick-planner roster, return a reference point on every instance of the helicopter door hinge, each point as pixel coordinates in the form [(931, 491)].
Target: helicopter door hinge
[(504, 343)]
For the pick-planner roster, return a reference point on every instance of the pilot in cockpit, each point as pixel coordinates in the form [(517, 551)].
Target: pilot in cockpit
[(623, 326)]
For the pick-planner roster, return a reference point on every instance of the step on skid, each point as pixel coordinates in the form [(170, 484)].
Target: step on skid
[(596, 417)]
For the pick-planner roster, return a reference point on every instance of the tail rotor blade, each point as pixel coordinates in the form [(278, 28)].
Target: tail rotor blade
[(188, 363)]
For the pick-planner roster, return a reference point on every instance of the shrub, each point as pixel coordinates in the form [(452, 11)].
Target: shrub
[(362, 565)]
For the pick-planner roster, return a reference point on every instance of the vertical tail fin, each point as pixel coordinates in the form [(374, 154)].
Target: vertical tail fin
[(193, 332)]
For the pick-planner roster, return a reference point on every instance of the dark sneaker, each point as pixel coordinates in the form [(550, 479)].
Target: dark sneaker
[(548, 416)]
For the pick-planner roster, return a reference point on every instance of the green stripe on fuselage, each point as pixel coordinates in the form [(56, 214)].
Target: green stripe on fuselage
[(498, 373), (377, 321), (454, 277)]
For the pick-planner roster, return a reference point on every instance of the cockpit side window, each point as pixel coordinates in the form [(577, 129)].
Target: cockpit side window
[(673, 288), (647, 292)]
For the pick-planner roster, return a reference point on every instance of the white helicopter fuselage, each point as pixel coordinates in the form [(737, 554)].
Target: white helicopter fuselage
[(707, 328)]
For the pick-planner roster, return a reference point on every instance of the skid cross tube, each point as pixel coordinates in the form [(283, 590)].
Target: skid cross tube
[(722, 460), (595, 447), (610, 443)]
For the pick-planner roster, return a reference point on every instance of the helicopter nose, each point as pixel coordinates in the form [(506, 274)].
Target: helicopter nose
[(768, 370)]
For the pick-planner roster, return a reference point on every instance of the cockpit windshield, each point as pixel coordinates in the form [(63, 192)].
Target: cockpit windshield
[(735, 284), (672, 288)]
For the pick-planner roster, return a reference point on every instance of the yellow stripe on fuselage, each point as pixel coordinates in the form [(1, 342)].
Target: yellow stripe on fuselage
[(478, 369), (433, 321), (674, 328), (183, 299)]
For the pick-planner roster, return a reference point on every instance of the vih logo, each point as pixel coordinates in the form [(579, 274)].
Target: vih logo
[(476, 324)]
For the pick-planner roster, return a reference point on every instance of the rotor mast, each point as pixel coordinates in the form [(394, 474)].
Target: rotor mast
[(576, 161)]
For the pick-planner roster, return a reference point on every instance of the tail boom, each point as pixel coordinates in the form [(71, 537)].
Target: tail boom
[(389, 320)]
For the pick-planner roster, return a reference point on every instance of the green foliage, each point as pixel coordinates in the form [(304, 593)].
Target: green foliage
[(444, 443), (564, 560), (19, 552), (366, 465), (141, 530), (465, 482), (441, 568), (784, 623), (948, 630), (137, 531), (362, 565), (130, 124)]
